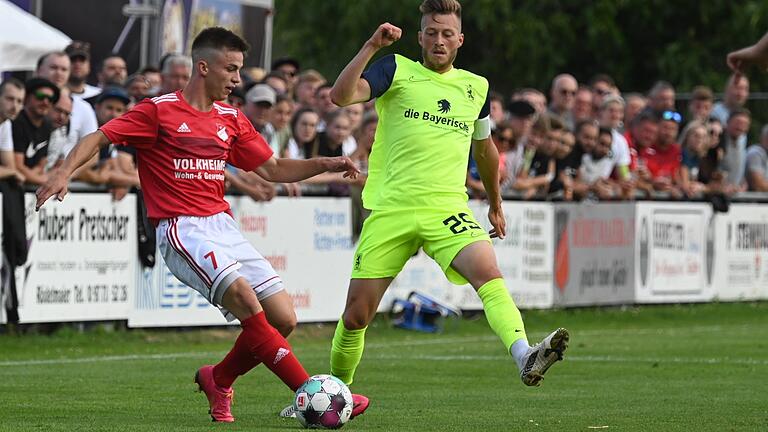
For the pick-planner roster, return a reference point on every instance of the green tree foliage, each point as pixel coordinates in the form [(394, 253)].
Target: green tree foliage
[(524, 43)]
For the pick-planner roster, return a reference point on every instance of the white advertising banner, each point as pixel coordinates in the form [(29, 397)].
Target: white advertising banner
[(82, 254), (674, 252), (526, 255), (308, 241), (741, 255), (594, 253)]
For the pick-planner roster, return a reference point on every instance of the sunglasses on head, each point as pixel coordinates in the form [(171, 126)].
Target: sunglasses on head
[(671, 115), (41, 96)]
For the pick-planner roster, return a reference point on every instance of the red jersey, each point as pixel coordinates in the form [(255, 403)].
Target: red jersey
[(662, 163), (182, 153)]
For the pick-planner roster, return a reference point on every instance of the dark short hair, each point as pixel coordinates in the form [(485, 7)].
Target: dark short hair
[(582, 124), (11, 82), (601, 77), (602, 130), (739, 111), (218, 38), (323, 87)]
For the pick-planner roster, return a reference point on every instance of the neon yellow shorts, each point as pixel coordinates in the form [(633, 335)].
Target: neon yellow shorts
[(391, 237)]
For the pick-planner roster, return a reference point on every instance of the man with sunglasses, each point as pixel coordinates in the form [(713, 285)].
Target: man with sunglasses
[(31, 129), (664, 158), (563, 95)]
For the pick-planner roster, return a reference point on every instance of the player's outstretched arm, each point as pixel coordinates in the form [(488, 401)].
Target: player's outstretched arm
[(59, 178), (285, 170), (487, 158), (349, 88), (756, 54)]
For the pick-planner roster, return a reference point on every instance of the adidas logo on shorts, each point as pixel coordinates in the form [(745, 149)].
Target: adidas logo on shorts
[(183, 128)]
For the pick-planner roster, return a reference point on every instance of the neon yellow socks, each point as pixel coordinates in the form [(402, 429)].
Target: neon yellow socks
[(501, 312), (346, 352)]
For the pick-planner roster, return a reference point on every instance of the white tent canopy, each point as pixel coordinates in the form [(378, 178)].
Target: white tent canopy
[(24, 38)]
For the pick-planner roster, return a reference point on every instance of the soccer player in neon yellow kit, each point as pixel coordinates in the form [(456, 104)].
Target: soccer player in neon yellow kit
[(430, 114)]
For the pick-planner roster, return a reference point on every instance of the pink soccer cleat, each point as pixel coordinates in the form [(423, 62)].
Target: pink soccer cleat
[(219, 398), (359, 405)]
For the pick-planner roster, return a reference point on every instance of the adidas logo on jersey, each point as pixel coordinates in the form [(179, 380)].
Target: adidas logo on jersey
[(281, 353), (184, 128)]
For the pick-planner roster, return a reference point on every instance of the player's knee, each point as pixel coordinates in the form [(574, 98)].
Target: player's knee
[(355, 320), (286, 326)]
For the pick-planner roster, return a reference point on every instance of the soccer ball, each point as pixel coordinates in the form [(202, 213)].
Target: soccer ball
[(323, 402)]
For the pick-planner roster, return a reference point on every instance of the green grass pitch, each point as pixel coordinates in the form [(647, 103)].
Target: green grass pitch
[(655, 368)]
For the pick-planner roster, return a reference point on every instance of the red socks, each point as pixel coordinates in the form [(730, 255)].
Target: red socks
[(260, 342)]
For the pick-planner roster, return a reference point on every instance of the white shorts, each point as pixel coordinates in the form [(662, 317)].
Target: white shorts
[(209, 253)]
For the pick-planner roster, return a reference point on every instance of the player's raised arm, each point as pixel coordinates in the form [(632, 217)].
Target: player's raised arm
[(283, 170), (59, 178), (756, 54), (349, 87)]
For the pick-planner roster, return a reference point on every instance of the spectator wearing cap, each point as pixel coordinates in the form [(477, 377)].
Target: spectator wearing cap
[(735, 96), (116, 165), (700, 106), (611, 116), (533, 97), (259, 101), (562, 96), (113, 71), (582, 106), (522, 115), (11, 104), (733, 143), (634, 104), (757, 163), (176, 71), (31, 129), (661, 97), (664, 158), (80, 58), (306, 86), (290, 68), (54, 67), (58, 116)]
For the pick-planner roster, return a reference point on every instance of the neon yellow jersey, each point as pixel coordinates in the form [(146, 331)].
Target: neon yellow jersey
[(423, 138)]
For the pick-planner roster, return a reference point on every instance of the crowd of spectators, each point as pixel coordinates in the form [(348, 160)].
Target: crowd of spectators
[(578, 141)]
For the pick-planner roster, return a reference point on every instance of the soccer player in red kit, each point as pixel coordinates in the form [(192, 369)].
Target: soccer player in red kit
[(184, 141)]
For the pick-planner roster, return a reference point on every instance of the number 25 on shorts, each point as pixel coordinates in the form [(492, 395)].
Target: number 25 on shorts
[(460, 222)]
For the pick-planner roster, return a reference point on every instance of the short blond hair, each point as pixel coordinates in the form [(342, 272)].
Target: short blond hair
[(429, 7)]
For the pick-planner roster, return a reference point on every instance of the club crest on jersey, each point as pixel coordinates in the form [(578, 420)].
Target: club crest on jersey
[(443, 105), (184, 128), (222, 133), (470, 92)]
